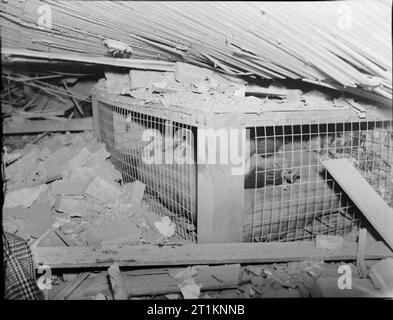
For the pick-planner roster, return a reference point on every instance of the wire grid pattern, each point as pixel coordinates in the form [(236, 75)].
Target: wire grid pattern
[(169, 185), (292, 197)]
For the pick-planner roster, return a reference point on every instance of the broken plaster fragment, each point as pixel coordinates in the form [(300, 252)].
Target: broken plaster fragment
[(381, 275), (103, 190), (75, 162), (330, 243), (74, 207), (116, 232), (23, 197), (189, 289), (22, 170), (172, 296), (100, 296), (135, 191), (183, 273), (166, 227), (11, 157), (36, 220), (77, 184), (186, 283), (254, 269), (73, 227)]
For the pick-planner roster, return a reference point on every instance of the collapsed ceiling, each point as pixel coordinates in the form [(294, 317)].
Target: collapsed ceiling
[(341, 45)]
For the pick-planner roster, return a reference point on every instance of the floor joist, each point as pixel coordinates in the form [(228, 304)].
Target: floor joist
[(152, 255)]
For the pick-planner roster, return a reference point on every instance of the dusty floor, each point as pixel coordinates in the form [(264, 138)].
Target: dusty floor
[(278, 280)]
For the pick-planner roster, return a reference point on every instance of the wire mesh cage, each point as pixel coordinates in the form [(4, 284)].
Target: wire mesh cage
[(145, 148), (293, 197), (288, 195)]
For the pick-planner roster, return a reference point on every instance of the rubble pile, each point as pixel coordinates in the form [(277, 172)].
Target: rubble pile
[(51, 97), (202, 89), (297, 279), (66, 184)]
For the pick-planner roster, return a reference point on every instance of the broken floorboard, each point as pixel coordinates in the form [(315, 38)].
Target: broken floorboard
[(159, 282), (38, 126), (116, 281), (171, 255), (70, 287)]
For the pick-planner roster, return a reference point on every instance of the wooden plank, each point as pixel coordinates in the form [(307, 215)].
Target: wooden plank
[(117, 62), (96, 120), (171, 255), (220, 193), (159, 283), (368, 201), (70, 288), (259, 118), (205, 208), (73, 98), (361, 252), (257, 90), (38, 126), (116, 282)]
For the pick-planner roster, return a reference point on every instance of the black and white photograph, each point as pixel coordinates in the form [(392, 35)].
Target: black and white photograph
[(196, 155)]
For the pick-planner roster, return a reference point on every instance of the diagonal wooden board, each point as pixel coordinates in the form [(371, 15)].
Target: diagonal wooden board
[(367, 200)]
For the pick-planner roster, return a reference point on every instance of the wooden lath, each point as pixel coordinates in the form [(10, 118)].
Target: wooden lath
[(302, 41)]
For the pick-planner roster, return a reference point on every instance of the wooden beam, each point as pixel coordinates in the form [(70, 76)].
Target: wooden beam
[(361, 251), (8, 53), (116, 282), (257, 90), (368, 201), (70, 287), (96, 120), (38, 126), (220, 192), (171, 255)]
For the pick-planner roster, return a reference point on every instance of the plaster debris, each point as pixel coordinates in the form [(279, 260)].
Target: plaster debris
[(166, 227), (24, 197), (189, 289), (330, 243), (119, 231), (184, 273), (84, 193), (135, 191), (381, 275), (103, 190)]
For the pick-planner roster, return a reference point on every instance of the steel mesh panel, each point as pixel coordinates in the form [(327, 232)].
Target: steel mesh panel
[(289, 195), (170, 186)]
